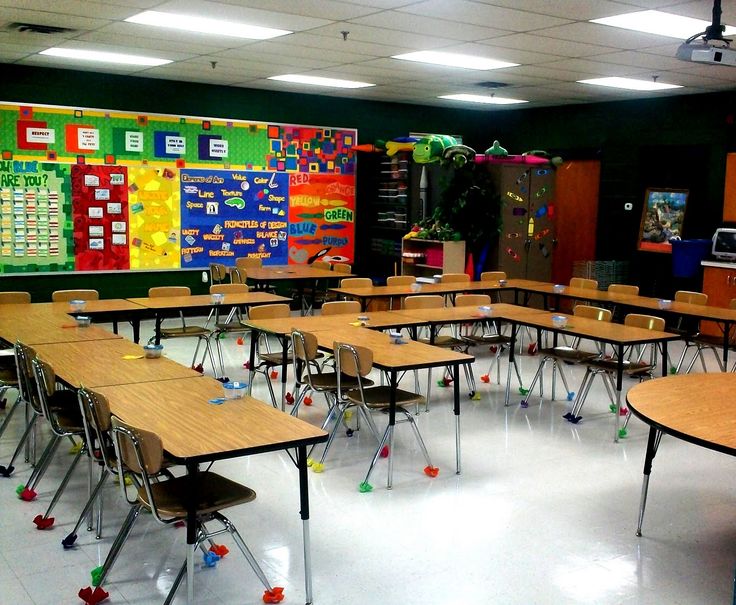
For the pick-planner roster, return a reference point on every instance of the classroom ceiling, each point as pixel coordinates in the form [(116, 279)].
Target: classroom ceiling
[(552, 40)]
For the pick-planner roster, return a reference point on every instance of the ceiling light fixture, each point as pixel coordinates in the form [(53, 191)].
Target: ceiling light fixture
[(203, 25), (103, 57), (629, 84), (658, 22), (454, 60), (318, 81), (487, 99)]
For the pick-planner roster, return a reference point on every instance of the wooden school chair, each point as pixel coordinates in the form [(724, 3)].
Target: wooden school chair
[(266, 360), (142, 454), (183, 330), (8, 371), (228, 325), (399, 280), (67, 295), (342, 268), (563, 354), (607, 368), (493, 276), (357, 362), (690, 331)]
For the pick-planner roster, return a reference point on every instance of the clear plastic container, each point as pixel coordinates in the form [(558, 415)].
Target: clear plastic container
[(559, 321), (83, 321), (153, 351), (217, 299), (77, 304), (234, 390)]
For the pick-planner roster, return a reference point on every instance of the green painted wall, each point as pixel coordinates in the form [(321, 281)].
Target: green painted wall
[(677, 142)]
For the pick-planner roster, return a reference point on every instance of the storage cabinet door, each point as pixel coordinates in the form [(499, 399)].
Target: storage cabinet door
[(539, 184), (720, 286)]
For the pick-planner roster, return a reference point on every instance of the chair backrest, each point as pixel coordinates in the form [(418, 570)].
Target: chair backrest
[(341, 307), (46, 384), (24, 356), (320, 264), (67, 295), (97, 424), (625, 289), (229, 289), (472, 300), (492, 275), (694, 298), (273, 311), (15, 298), (424, 301), (246, 262), (342, 268), (140, 452), (732, 304), (648, 322), (452, 278), (218, 272), (400, 280), (591, 312), (164, 291), (584, 283), (356, 282), (238, 275), (304, 345), (353, 360)]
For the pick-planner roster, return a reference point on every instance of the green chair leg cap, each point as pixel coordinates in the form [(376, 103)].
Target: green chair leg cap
[(96, 574), (365, 487)]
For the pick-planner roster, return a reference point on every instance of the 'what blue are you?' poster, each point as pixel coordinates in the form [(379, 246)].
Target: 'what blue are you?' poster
[(226, 214)]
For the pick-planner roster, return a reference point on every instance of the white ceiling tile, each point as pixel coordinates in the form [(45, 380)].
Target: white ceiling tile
[(379, 35), (79, 8), (542, 44), (465, 11), (428, 26), (640, 59), (196, 41), (291, 54), (253, 16), (331, 10), (594, 67), (602, 35), (495, 51), (336, 43), (50, 18), (574, 10), (133, 43)]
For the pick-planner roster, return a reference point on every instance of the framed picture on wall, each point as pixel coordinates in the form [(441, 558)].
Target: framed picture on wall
[(661, 218)]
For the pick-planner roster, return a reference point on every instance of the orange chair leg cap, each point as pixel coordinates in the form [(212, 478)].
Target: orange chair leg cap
[(275, 595), (431, 471), (485, 378)]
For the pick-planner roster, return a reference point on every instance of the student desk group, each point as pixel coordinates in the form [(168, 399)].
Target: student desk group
[(172, 400), (164, 397)]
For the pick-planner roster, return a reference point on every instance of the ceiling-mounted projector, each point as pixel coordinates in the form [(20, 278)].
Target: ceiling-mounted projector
[(703, 52), (712, 48)]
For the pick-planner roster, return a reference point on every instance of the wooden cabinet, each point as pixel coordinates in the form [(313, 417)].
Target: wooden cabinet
[(729, 192), (719, 283), (427, 257)]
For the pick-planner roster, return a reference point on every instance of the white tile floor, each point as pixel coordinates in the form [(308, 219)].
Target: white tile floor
[(544, 512)]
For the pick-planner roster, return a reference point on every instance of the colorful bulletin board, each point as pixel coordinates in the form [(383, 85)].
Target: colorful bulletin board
[(99, 190)]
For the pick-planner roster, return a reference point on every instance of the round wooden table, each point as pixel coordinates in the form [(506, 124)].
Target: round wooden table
[(697, 408)]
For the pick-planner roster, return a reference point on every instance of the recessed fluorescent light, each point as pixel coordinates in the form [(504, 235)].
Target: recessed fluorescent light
[(483, 99), (103, 57), (629, 83), (454, 60), (206, 26), (657, 22), (317, 81)]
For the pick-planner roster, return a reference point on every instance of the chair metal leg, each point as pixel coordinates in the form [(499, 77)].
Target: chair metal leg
[(377, 455), (119, 541), (244, 549), (420, 441), (64, 482), (43, 463), (9, 414), (6, 471), (71, 537)]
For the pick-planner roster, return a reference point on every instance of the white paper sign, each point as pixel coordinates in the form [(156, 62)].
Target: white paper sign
[(91, 180), (117, 178), (114, 208), (95, 212), (176, 145), (97, 244), (218, 148), (40, 135), (96, 230), (102, 194), (133, 141), (119, 226), (119, 239), (88, 138)]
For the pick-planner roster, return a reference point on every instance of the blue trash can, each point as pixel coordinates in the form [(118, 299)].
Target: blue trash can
[(687, 255)]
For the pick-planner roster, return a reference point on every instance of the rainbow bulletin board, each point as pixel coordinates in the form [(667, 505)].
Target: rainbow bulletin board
[(98, 190)]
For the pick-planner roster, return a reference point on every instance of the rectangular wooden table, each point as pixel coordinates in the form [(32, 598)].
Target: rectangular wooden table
[(160, 305), (39, 327), (394, 359), (617, 335), (302, 276), (194, 431), (281, 328), (103, 363)]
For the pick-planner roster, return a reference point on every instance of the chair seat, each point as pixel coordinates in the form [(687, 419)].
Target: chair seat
[(233, 326), (379, 397), (611, 365), (445, 342), (184, 331), (8, 376), (215, 492), (488, 339), (328, 381), (567, 354)]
